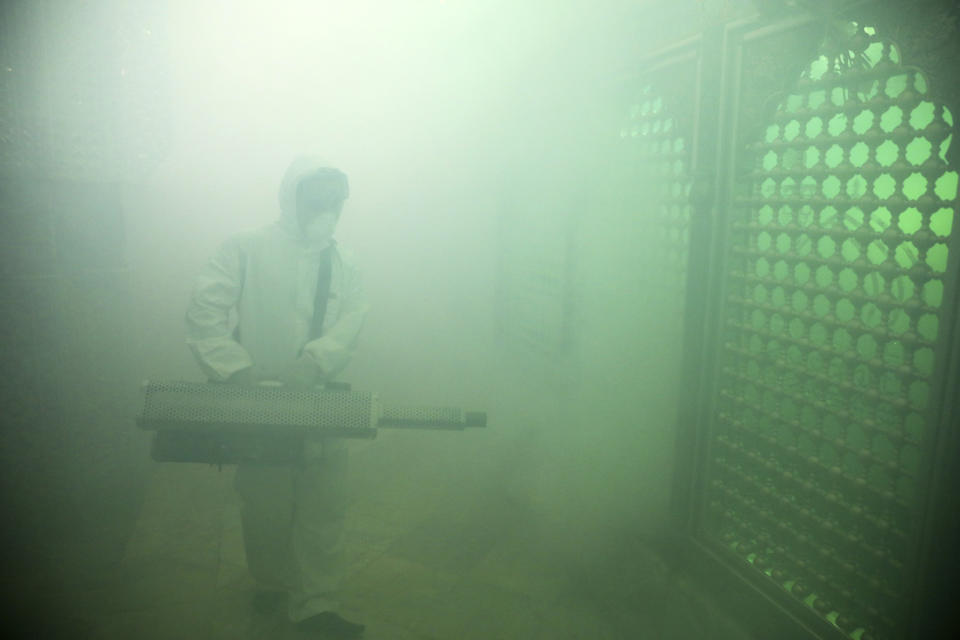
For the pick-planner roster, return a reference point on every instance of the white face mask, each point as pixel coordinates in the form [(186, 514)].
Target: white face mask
[(319, 231)]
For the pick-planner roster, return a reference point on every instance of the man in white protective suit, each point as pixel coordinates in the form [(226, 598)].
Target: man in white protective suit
[(284, 303)]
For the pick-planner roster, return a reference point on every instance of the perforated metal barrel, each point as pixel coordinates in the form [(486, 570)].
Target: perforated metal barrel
[(175, 405), (223, 424)]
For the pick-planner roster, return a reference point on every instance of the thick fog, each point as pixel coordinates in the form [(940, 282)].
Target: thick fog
[(451, 119), (466, 128)]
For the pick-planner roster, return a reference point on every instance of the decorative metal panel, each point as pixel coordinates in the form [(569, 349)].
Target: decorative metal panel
[(658, 135), (829, 363)]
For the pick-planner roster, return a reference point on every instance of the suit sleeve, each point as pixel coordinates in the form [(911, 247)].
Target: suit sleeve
[(208, 319)]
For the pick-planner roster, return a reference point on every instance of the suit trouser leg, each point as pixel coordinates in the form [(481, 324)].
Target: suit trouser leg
[(267, 511), (316, 541)]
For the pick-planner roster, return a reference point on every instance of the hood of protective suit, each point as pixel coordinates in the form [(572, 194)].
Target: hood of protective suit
[(299, 169)]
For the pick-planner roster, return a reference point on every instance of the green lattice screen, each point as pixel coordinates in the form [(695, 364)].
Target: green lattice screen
[(833, 306), (660, 157)]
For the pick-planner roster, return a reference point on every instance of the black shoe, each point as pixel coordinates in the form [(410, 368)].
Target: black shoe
[(267, 602), (331, 625)]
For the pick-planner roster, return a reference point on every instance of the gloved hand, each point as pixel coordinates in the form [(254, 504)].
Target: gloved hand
[(245, 377), (302, 374)]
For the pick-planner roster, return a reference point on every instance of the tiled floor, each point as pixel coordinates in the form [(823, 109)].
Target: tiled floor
[(454, 564)]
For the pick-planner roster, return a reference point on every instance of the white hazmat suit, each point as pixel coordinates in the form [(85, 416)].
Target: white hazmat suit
[(252, 308)]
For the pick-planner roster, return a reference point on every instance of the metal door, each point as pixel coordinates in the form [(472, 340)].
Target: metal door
[(818, 438)]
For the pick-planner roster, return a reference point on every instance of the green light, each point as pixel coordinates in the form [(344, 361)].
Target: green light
[(919, 394), (853, 218), (834, 156), (887, 153), (944, 146), (769, 161), (914, 186), (768, 188), (890, 383), (818, 67), (859, 154), (884, 186), (905, 255), (791, 131), (877, 251), (873, 284), (842, 340), (764, 240), (778, 297), (788, 188), (760, 294), (765, 215), (922, 115), (941, 221), (838, 96), (816, 98), (891, 119), (918, 151), (893, 354), (932, 293), (923, 361), (863, 122), (910, 221), (946, 189), (902, 288), (799, 301), (928, 326), (780, 270), (898, 322), (874, 53), (856, 187), (831, 187), (836, 126), (880, 219), (826, 247), (896, 85), (762, 268), (818, 335), (871, 316), (797, 329), (824, 276), (821, 305), (937, 257), (867, 347), (845, 310)]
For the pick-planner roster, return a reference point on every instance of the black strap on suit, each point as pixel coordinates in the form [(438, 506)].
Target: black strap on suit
[(323, 293)]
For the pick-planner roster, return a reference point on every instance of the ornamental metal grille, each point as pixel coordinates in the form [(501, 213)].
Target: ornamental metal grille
[(829, 360), (660, 157)]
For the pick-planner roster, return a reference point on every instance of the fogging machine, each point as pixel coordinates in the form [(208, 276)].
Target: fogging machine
[(224, 424)]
